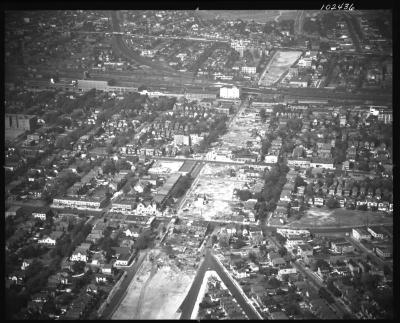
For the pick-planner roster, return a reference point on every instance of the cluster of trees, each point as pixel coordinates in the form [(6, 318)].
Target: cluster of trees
[(65, 141), (183, 185), (217, 129), (62, 182), (332, 203), (274, 181), (144, 240), (67, 244), (310, 26), (323, 293), (244, 195), (333, 289)]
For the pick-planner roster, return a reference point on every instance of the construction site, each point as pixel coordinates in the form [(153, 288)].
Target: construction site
[(157, 290), (213, 197), (278, 65)]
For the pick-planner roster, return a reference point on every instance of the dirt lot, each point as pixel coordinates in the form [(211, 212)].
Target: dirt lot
[(157, 290), (325, 217), (278, 65), (212, 196)]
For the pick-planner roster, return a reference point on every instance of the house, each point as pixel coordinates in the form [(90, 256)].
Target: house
[(132, 232), (41, 213), (92, 288), (81, 252), (123, 259), (360, 234), (26, 263), (47, 241), (79, 255), (318, 201), (101, 278), (106, 269), (98, 258), (94, 236), (146, 208), (304, 250)]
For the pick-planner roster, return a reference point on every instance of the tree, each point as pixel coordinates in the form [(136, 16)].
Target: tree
[(282, 252), (332, 203), (144, 240), (263, 115), (323, 293), (239, 244), (108, 167), (214, 239), (253, 257), (244, 195), (78, 266), (274, 283)]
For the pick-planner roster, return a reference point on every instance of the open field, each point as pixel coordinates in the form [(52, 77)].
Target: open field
[(260, 16), (156, 292), (279, 64), (339, 217)]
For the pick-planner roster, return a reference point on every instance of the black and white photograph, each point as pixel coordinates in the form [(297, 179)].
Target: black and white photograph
[(199, 164)]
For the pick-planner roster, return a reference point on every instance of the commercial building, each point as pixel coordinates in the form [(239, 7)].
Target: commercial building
[(80, 202), (229, 92), (361, 234), (20, 121)]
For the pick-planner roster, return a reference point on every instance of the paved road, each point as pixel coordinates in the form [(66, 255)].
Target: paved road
[(210, 263)]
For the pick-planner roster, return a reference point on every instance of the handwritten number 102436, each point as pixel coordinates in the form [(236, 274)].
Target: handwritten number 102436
[(334, 6)]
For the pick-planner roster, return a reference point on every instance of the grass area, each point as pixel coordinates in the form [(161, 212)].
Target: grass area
[(339, 217)]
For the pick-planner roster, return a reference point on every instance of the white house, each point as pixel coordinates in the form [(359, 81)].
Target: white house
[(106, 269), (123, 260), (271, 159), (146, 209), (319, 201), (132, 232), (39, 215), (47, 241)]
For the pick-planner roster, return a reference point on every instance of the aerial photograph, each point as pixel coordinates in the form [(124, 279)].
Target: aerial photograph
[(198, 164)]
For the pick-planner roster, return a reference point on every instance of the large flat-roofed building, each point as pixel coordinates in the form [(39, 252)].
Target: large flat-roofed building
[(20, 121), (87, 85), (232, 92), (84, 202)]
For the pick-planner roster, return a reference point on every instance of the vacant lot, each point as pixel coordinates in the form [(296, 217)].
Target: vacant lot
[(278, 65), (325, 217), (212, 197), (156, 292)]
